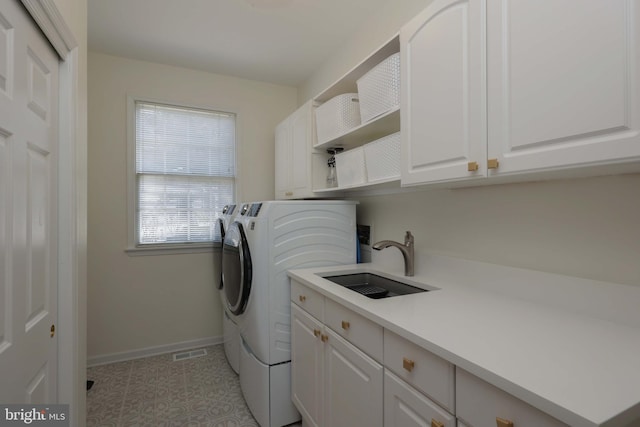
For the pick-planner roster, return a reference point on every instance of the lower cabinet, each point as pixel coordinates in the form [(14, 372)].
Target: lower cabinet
[(481, 404), (353, 385), (407, 407), (333, 383), (307, 366), (347, 371)]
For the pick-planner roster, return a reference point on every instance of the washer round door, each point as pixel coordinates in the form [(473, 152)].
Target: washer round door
[(218, 239), (236, 268)]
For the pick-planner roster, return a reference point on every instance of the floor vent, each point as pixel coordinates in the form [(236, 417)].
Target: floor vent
[(189, 354)]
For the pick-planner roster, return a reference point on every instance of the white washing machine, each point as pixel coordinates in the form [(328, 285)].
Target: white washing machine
[(260, 246), (230, 332)]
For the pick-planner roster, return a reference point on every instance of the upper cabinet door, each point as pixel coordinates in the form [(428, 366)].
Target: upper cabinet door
[(282, 162), (443, 93), (301, 144), (564, 83)]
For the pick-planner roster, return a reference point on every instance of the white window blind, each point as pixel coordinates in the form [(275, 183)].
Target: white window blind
[(185, 172)]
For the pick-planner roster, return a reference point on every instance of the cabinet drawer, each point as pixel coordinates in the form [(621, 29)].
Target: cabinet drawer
[(405, 406), (422, 369), (308, 299), (479, 404), (361, 332)]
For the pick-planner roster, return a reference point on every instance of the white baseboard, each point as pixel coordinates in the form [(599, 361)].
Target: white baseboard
[(152, 351)]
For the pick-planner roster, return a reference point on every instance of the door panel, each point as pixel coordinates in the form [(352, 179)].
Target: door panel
[(307, 366), (443, 93), (563, 83), (353, 388), (28, 215)]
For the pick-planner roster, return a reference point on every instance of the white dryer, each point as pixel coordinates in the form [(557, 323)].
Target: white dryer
[(260, 246), (231, 334)]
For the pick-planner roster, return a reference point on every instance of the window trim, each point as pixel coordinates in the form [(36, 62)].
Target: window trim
[(133, 248)]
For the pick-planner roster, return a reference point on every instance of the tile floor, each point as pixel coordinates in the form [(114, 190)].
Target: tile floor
[(156, 391)]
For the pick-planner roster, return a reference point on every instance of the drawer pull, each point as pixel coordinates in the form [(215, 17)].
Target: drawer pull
[(324, 338), (503, 423), (435, 423), (471, 167), (345, 325), (302, 298), (288, 193), (493, 164), (408, 364), (316, 333)]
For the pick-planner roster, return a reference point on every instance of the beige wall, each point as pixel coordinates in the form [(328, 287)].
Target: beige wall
[(146, 301), (585, 227)]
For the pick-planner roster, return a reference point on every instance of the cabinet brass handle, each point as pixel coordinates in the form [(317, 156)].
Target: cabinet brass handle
[(472, 166), (316, 333), (408, 364), (500, 422), (53, 330), (288, 193), (302, 298), (345, 325), (435, 423), (324, 338), (493, 164)]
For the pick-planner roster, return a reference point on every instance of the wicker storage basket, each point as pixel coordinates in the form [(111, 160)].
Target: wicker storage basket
[(382, 158), (379, 89), (350, 167), (337, 116)]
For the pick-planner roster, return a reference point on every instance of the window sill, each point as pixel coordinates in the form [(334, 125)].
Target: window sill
[(175, 249)]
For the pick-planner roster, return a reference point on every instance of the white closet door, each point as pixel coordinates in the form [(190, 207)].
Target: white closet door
[(28, 220)]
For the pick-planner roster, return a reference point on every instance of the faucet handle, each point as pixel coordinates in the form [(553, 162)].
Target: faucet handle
[(408, 238)]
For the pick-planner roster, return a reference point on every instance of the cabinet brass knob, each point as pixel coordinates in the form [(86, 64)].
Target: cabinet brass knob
[(53, 330), (493, 164), (472, 166), (289, 193), (345, 325), (316, 333), (500, 422), (435, 423), (302, 298), (408, 364), (324, 338)]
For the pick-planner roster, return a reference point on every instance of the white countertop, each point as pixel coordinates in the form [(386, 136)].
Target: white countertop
[(569, 347)]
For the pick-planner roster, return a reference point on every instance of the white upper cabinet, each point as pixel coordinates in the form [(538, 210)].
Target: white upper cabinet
[(295, 137), (510, 88), (563, 82), (443, 93)]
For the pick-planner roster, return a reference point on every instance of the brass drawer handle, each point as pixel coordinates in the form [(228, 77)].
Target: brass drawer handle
[(316, 333), (288, 193), (408, 364), (493, 164), (500, 422), (472, 166), (345, 325), (324, 338), (302, 298), (435, 423)]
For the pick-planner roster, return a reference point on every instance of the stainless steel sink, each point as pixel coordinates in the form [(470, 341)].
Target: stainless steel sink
[(373, 286)]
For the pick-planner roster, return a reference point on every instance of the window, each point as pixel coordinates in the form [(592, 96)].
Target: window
[(184, 167)]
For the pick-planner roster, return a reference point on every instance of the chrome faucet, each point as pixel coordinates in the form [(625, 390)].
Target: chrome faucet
[(406, 249)]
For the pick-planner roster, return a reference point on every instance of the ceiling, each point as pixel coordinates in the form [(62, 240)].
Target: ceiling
[(278, 41)]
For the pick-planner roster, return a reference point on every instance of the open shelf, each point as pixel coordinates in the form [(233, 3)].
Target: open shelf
[(383, 125)]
